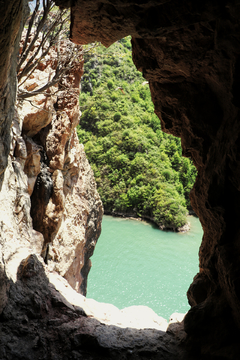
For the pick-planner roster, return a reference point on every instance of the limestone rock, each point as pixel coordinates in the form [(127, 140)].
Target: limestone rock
[(34, 119), (32, 164), (77, 205), (184, 228), (70, 215), (176, 327), (142, 317), (137, 317), (17, 236), (48, 199)]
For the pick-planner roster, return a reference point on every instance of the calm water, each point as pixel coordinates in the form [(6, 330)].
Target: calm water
[(135, 263)]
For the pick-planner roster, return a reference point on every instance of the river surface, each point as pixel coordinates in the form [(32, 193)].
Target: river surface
[(135, 263)]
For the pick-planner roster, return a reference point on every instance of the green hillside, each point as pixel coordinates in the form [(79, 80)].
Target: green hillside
[(138, 168)]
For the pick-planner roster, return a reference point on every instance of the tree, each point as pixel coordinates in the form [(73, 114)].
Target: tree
[(138, 168), (45, 28)]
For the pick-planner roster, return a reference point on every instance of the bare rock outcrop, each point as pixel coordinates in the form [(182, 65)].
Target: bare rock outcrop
[(65, 205), (48, 198)]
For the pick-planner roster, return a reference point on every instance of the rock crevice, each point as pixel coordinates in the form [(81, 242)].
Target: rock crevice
[(48, 195)]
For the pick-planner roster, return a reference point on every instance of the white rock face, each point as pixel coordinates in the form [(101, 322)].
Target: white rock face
[(49, 204), (18, 239)]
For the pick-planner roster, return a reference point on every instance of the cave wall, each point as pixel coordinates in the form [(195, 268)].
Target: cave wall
[(193, 89), (189, 52)]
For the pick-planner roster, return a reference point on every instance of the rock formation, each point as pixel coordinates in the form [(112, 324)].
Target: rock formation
[(39, 323), (189, 52), (70, 215), (49, 202)]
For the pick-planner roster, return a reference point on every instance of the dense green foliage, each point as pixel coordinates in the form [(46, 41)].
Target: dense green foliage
[(138, 168)]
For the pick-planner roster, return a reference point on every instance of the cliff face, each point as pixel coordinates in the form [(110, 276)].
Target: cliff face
[(65, 205), (49, 202)]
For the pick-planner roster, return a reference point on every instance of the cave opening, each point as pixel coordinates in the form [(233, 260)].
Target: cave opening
[(113, 95), (188, 46), (134, 145)]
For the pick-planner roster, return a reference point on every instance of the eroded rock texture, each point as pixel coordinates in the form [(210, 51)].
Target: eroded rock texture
[(108, 21), (193, 92), (65, 206), (48, 198)]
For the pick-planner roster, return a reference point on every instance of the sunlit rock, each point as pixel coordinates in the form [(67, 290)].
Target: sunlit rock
[(48, 198)]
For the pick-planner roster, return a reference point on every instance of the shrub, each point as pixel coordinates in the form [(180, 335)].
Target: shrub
[(135, 98), (114, 97), (105, 106), (167, 174), (117, 116), (110, 84)]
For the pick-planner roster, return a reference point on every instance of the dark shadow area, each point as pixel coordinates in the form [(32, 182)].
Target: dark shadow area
[(39, 323)]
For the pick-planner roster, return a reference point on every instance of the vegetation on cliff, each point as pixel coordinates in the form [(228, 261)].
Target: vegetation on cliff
[(138, 168)]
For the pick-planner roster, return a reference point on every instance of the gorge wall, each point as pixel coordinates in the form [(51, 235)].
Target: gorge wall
[(189, 52), (48, 198)]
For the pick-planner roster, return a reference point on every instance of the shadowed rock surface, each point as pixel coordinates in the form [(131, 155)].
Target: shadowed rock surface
[(39, 323)]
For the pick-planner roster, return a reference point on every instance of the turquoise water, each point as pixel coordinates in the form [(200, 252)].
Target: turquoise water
[(135, 263)]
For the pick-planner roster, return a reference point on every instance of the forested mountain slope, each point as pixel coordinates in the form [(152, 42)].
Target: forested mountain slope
[(138, 169)]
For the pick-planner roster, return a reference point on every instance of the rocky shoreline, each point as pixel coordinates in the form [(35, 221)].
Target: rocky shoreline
[(186, 227)]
